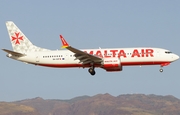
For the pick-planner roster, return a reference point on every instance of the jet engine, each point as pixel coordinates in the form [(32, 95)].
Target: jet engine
[(111, 64)]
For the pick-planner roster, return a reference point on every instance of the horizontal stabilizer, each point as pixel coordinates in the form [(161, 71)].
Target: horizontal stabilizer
[(13, 53)]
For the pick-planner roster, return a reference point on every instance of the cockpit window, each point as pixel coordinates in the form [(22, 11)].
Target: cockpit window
[(168, 52)]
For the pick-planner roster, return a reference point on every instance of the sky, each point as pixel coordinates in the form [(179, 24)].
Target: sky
[(90, 24)]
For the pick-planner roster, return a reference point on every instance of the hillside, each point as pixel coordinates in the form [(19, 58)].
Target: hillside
[(16, 109), (101, 104)]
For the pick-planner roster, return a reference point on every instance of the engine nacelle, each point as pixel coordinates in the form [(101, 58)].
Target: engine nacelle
[(112, 64)]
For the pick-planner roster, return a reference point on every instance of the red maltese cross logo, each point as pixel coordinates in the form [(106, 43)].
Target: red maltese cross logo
[(17, 38)]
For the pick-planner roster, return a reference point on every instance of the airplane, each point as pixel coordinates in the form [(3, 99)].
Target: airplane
[(109, 59)]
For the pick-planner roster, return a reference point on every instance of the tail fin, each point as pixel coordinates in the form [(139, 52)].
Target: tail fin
[(20, 43)]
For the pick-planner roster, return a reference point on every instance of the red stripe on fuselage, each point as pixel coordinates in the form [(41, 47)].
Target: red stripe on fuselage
[(98, 65)]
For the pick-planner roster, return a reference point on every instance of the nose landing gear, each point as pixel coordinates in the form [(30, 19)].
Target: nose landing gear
[(162, 65), (161, 70)]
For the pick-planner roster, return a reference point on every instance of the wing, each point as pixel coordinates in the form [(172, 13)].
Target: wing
[(13, 53), (84, 57)]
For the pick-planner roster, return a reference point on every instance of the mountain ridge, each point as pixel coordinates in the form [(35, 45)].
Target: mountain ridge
[(100, 104)]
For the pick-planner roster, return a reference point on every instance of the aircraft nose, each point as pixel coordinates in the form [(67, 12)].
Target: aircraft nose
[(176, 57)]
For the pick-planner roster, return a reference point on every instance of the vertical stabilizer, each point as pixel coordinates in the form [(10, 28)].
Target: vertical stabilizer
[(20, 43)]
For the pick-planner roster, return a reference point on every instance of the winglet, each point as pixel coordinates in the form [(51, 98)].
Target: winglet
[(64, 43)]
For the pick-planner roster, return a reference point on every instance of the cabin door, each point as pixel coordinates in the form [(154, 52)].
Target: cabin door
[(37, 57)]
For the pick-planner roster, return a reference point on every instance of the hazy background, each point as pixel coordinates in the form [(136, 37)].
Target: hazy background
[(90, 24)]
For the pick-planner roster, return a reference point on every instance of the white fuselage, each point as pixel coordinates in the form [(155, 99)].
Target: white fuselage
[(127, 56), (109, 59)]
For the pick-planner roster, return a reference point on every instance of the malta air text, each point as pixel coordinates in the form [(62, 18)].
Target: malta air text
[(122, 53)]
